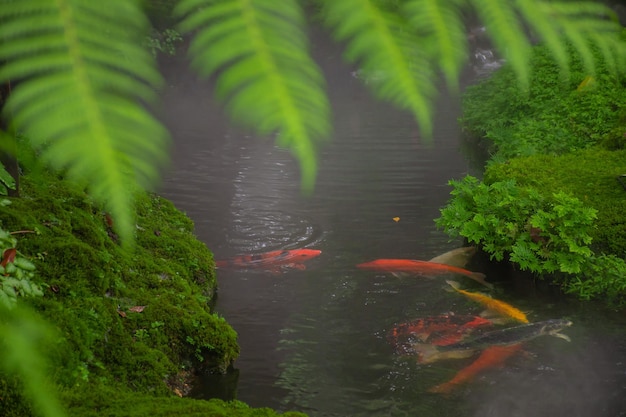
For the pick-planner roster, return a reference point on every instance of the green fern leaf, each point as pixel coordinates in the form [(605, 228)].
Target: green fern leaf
[(584, 23), (83, 77), (541, 22), (504, 29), (265, 74), (384, 43), (440, 23)]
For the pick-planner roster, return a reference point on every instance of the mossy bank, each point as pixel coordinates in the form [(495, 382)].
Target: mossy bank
[(551, 200), (132, 325)]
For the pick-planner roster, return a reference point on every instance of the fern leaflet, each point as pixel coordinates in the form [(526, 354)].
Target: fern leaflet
[(82, 78), (264, 71), (383, 42)]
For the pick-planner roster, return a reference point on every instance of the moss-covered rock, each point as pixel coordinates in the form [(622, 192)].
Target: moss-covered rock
[(138, 320)]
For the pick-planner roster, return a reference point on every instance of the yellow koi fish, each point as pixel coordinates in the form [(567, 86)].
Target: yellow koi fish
[(492, 304)]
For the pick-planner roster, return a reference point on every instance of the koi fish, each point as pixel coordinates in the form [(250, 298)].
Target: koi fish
[(491, 303), (428, 353), (458, 257), (398, 267), (439, 330), (491, 357), (271, 261)]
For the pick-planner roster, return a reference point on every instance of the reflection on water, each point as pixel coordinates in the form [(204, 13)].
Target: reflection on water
[(314, 340)]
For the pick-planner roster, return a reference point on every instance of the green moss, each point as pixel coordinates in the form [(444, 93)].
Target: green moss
[(112, 403), (590, 175), (126, 318), (564, 134)]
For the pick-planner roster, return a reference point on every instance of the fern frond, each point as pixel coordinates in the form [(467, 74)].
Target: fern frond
[(265, 73), (439, 22), (540, 21), (383, 43), (504, 29), (83, 78), (583, 23)]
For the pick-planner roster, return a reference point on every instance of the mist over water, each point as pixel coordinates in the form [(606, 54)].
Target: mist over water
[(315, 340)]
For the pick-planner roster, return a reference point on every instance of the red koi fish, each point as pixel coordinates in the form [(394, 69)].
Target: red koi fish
[(442, 330), (491, 357), (271, 261), (424, 268)]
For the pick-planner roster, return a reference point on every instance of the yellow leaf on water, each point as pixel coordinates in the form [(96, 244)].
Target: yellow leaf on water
[(396, 219)]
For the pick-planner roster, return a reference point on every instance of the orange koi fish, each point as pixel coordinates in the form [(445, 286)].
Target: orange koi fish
[(271, 261), (439, 330), (424, 268), (491, 357), (492, 304)]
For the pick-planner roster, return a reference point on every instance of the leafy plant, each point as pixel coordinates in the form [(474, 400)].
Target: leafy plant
[(16, 273), (539, 234), (601, 276)]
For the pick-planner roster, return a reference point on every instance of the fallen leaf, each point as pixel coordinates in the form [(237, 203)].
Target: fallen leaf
[(396, 219), (108, 219), (137, 309), (121, 313), (8, 256)]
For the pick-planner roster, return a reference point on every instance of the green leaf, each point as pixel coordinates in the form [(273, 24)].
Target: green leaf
[(6, 181), (84, 78), (264, 72), (441, 25), (384, 43)]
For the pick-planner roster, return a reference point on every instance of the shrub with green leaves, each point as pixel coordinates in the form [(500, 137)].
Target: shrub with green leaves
[(590, 175), (540, 233), (601, 276)]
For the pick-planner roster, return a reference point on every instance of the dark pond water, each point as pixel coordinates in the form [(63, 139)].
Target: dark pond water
[(315, 340)]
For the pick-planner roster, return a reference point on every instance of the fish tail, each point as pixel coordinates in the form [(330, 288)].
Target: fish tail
[(445, 388), (454, 284)]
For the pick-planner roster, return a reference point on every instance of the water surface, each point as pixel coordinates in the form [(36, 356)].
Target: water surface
[(315, 340)]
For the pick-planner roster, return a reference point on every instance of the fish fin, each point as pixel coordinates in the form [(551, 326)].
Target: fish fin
[(401, 275), (454, 284), (428, 353), (425, 353), (480, 278), (423, 336), (561, 336)]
